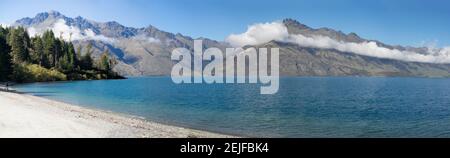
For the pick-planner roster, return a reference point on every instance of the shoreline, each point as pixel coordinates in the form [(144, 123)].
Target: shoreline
[(27, 116)]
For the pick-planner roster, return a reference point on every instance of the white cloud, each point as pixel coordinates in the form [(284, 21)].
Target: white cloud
[(262, 33), (92, 35), (370, 49), (61, 29), (259, 34), (153, 40), (4, 24), (32, 31), (146, 39)]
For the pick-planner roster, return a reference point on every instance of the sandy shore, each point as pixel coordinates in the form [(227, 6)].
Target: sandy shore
[(23, 115)]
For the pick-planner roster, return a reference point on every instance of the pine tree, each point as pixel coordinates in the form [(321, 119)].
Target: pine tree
[(57, 53), (72, 57), (62, 58), (37, 55), (19, 42), (68, 58), (5, 58), (48, 42), (86, 61), (79, 57), (104, 62)]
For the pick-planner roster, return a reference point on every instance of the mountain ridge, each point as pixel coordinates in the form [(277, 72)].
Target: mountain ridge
[(146, 50)]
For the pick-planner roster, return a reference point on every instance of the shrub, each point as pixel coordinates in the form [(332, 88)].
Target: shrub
[(36, 73)]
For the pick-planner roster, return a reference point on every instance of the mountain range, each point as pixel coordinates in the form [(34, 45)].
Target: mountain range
[(146, 50)]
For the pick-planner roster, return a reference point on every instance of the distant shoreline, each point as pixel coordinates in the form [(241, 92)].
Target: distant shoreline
[(23, 115)]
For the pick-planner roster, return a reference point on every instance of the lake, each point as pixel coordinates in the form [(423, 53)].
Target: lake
[(303, 106)]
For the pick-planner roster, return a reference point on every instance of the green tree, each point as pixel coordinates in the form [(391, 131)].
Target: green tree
[(37, 55), (68, 60), (62, 58), (103, 62), (72, 57), (5, 58), (79, 57), (86, 60), (19, 42), (57, 53), (48, 39)]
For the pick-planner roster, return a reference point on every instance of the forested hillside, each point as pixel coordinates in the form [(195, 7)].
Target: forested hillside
[(46, 58)]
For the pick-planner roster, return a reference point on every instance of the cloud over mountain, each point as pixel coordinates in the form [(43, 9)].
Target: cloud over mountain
[(264, 32), (258, 34), (61, 29)]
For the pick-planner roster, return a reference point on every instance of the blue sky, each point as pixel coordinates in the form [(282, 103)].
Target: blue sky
[(405, 22)]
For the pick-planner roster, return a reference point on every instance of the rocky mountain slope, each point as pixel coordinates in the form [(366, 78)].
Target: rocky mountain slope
[(140, 51), (146, 51)]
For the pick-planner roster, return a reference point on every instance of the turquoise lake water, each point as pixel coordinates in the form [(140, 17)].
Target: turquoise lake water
[(303, 107)]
